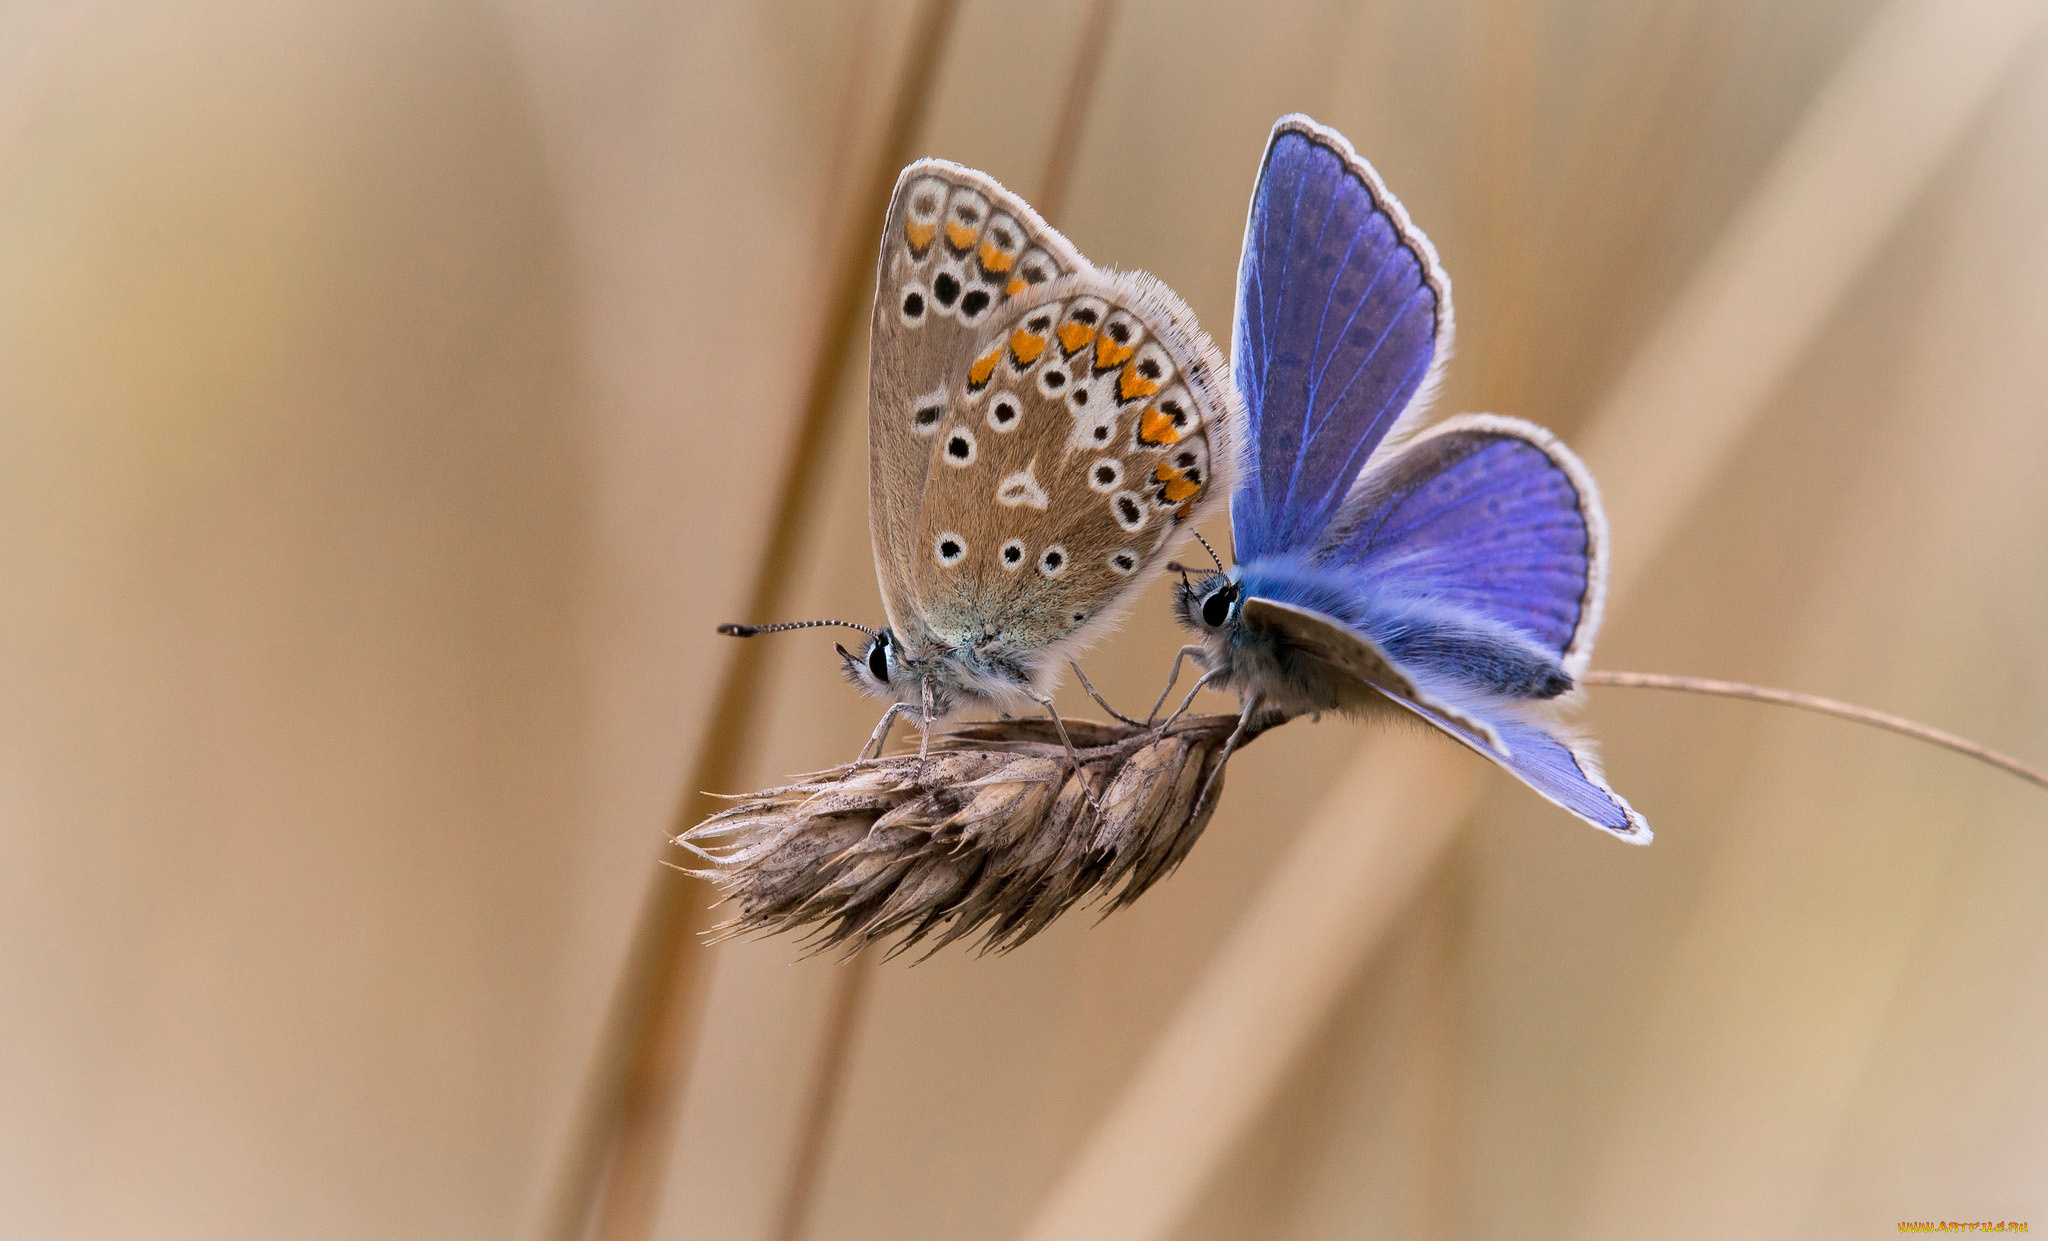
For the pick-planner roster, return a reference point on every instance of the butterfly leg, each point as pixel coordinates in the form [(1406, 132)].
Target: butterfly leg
[(1244, 719), (924, 724), (1214, 674), (1099, 701), (1073, 755), (880, 737), (1199, 655)]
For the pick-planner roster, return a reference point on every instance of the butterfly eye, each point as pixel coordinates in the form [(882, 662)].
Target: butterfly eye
[(878, 659), (1216, 608)]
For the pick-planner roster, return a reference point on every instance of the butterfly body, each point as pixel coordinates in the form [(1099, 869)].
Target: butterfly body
[(1416, 630), (1457, 575)]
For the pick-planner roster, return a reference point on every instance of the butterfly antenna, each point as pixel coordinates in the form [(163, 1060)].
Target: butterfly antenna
[(753, 631), (1212, 551)]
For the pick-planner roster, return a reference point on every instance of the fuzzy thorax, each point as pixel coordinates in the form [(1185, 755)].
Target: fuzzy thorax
[(976, 674)]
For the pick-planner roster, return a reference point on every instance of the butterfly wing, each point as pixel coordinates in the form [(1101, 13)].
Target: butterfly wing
[(1303, 633), (1564, 773), (1486, 519), (1487, 526), (1535, 753), (1079, 447), (1343, 319), (956, 249)]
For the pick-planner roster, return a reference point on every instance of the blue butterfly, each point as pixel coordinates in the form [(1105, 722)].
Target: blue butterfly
[(1457, 573)]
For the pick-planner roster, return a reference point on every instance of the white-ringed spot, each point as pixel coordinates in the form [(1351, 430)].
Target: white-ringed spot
[(1012, 555), (916, 299), (947, 286), (1053, 561), (1004, 412), (960, 448), (949, 549), (975, 302), (1123, 563), (1105, 475), (1130, 510), (927, 412)]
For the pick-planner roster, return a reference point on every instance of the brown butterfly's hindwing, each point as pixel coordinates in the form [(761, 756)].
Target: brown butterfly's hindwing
[(1083, 437)]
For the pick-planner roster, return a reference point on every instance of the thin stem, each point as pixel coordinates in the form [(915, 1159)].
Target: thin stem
[(608, 1185), (822, 1100), (1825, 706), (1080, 92)]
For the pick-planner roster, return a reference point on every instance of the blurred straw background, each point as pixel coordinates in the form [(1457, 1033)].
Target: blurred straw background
[(393, 397)]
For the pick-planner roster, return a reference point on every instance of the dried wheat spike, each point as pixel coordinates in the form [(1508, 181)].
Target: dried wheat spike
[(994, 836)]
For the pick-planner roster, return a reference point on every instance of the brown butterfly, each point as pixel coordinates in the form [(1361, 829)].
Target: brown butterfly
[(1042, 435)]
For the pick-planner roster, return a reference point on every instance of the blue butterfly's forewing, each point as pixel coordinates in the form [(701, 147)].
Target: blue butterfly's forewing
[(1343, 316), (1486, 517)]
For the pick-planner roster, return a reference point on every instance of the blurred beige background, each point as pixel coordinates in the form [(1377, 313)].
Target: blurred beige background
[(393, 397)]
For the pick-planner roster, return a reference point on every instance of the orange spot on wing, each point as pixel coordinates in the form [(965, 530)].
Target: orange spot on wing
[(1074, 337), (1156, 428), (918, 235), (1015, 286), (994, 261), (1025, 348), (959, 236), (1131, 385), (984, 366), (1108, 353), (1177, 487)]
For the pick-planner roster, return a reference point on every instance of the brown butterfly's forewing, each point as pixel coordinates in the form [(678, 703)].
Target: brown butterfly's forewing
[(957, 248)]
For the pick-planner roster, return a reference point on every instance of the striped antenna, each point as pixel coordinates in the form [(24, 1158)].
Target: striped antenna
[(750, 631)]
